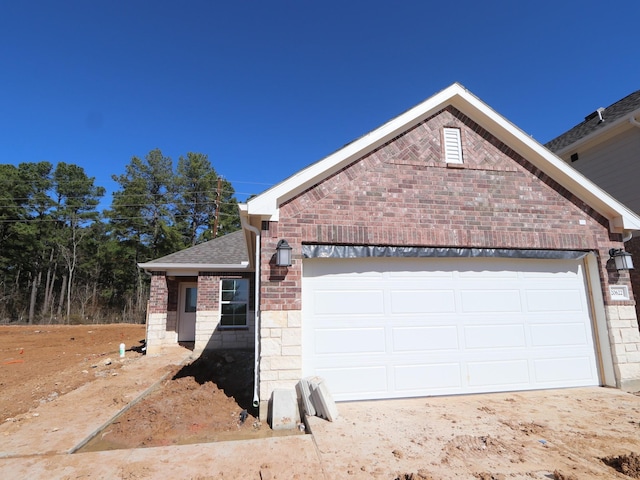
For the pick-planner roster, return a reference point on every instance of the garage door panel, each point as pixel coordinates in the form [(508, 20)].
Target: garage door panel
[(546, 269), (498, 301), (495, 336), (356, 382), (554, 300), (567, 371), (439, 376), (417, 272), (349, 302), (349, 341), (559, 334), (422, 301), (445, 326), (483, 271), (421, 339), (498, 374)]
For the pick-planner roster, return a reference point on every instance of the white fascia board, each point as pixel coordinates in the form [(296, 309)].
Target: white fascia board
[(192, 268), (621, 219)]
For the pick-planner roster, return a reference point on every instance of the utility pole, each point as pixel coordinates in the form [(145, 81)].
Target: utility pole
[(215, 222)]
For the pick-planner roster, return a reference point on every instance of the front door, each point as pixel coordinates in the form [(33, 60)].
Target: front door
[(187, 312)]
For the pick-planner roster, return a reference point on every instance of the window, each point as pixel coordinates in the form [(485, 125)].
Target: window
[(452, 145), (234, 301), (190, 299)]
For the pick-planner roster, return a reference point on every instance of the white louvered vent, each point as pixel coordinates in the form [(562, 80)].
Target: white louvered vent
[(452, 145)]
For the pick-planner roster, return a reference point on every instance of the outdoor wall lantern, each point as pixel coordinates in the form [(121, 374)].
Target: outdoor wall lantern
[(283, 254), (623, 259)]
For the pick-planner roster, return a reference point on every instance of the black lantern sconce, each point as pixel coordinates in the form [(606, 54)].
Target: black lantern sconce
[(622, 259), (283, 254)]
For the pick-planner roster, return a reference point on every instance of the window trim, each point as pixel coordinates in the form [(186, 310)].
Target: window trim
[(230, 302)]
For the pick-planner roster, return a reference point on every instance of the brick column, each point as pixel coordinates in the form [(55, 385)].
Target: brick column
[(157, 317)]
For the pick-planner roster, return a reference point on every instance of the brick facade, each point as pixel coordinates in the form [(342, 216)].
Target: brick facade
[(403, 193)]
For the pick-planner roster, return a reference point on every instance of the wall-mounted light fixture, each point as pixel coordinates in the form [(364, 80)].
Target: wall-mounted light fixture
[(622, 259), (283, 254)]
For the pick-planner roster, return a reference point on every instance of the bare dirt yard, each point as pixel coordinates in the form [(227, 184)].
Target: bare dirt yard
[(206, 400)]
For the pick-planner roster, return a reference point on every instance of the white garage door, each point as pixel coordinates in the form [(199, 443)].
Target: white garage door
[(401, 327)]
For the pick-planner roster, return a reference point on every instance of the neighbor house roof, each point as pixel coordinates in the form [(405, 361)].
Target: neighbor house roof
[(598, 122), (224, 253), (266, 205)]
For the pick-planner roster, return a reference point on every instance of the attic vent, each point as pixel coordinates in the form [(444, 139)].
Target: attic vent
[(452, 145), (574, 157), (597, 114)]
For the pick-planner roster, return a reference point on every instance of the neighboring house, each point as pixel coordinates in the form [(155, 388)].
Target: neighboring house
[(605, 148), (445, 252)]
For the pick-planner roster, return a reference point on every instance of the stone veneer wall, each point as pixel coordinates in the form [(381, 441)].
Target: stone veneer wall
[(625, 346), (280, 352)]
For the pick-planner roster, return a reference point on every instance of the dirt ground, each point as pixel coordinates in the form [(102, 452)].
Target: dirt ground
[(206, 400), (565, 434), (569, 434), (40, 363)]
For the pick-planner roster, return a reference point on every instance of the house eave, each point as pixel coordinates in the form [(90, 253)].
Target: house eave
[(192, 269), (609, 129)]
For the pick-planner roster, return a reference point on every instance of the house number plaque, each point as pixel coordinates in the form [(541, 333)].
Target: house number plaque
[(619, 292)]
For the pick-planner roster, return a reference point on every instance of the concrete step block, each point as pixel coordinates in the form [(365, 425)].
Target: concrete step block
[(303, 388), (323, 401), (284, 409)]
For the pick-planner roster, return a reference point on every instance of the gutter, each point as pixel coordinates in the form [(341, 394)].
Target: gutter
[(256, 308)]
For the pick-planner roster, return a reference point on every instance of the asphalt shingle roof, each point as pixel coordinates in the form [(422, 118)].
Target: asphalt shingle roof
[(592, 122), (230, 249)]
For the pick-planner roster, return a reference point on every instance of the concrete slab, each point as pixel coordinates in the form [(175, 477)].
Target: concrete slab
[(290, 457)]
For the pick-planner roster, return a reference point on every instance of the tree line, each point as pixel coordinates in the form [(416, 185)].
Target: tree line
[(64, 261)]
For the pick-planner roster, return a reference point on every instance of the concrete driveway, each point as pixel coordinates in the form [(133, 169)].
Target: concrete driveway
[(511, 435)]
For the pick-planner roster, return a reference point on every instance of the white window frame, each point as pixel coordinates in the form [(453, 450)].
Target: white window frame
[(234, 302), (452, 145)]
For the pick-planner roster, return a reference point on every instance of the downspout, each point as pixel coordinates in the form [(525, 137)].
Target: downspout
[(256, 308), (634, 122)]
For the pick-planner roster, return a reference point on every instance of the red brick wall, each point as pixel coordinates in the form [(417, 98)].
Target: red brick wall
[(158, 293), (403, 193)]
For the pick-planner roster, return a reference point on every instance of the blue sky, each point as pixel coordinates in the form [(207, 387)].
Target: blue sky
[(267, 88)]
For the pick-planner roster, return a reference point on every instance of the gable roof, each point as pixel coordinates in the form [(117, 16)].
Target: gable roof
[(223, 253), (613, 115), (266, 205)]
